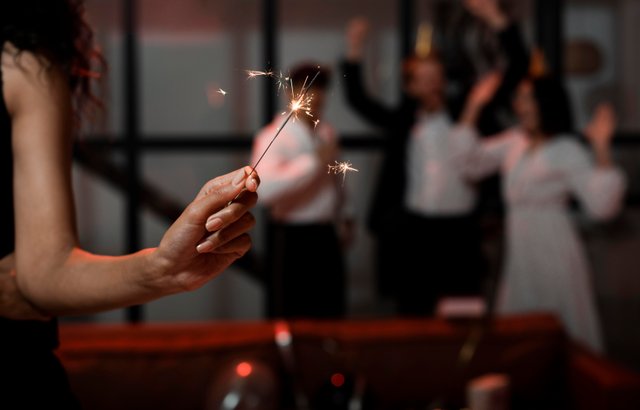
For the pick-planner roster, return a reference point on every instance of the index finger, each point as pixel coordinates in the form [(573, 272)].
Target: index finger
[(231, 184)]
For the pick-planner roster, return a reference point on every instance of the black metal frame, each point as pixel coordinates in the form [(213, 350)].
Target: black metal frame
[(549, 36), (132, 132), (550, 32)]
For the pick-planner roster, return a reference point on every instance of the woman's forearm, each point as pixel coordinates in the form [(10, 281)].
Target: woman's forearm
[(87, 283)]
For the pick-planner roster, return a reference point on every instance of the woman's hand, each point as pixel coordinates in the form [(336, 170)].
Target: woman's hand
[(600, 131), (601, 128), (209, 235), (13, 305)]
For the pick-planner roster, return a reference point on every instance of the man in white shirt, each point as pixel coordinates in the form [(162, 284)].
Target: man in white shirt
[(306, 207), (421, 192)]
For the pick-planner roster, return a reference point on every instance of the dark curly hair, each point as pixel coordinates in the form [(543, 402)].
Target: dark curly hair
[(56, 31)]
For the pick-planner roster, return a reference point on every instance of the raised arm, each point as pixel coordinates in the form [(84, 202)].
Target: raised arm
[(598, 184), (513, 49), (480, 157), (356, 93), (52, 271)]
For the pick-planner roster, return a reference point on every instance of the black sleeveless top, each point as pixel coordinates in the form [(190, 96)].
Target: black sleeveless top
[(13, 333)]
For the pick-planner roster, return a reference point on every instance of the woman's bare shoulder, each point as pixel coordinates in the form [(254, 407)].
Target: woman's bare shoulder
[(26, 74)]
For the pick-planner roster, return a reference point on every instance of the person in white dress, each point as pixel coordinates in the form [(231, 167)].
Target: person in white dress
[(544, 165)]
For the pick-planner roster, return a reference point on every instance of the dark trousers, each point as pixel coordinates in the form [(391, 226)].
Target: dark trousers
[(434, 257), (306, 272)]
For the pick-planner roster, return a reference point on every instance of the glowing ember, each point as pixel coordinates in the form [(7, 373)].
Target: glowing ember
[(282, 80), (256, 73), (341, 168)]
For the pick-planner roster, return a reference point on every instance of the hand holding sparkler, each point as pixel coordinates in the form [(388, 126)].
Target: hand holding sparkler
[(207, 237)]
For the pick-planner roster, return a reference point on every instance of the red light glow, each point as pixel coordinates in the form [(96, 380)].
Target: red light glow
[(244, 369), (337, 379)]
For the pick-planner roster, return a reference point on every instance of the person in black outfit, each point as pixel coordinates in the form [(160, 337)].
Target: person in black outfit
[(47, 64), (419, 192)]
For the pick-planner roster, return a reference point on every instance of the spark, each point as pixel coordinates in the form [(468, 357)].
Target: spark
[(282, 80), (221, 91), (256, 73), (315, 124), (341, 168)]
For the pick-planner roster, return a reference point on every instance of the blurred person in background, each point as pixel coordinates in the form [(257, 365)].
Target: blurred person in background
[(544, 165), (310, 217)]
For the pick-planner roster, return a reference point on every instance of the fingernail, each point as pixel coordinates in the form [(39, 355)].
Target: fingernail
[(204, 247), (253, 183), (239, 179), (213, 224)]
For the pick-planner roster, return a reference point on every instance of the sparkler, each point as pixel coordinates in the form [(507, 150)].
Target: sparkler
[(299, 103), (341, 168)]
